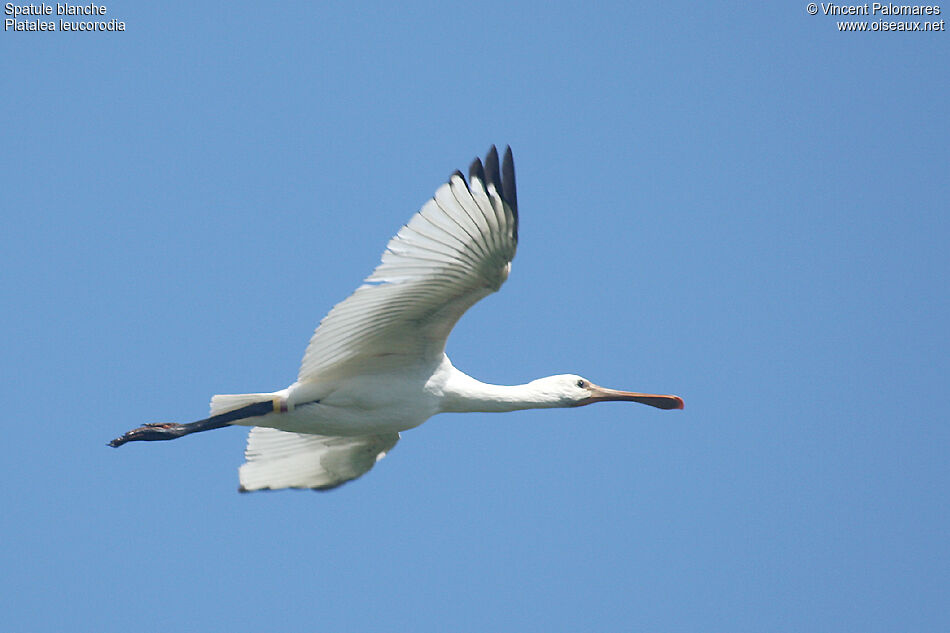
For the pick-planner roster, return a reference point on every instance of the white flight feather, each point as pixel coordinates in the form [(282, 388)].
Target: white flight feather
[(279, 459)]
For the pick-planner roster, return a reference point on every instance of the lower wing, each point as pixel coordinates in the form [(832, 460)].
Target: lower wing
[(280, 459)]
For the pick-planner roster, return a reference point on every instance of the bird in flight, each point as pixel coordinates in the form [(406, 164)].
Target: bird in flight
[(376, 364)]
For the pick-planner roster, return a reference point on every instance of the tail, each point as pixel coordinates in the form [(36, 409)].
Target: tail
[(229, 402)]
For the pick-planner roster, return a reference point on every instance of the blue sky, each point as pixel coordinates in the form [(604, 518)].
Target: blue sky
[(734, 203)]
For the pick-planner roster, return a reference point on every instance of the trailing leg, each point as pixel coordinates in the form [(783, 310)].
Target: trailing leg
[(172, 430)]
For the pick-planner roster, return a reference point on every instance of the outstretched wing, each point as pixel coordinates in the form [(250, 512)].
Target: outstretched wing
[(279, 459), (454, 251)]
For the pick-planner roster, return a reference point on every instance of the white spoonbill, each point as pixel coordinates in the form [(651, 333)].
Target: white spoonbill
[(376, 364)]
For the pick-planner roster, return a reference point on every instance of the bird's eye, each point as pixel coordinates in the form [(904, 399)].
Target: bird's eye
[(581, 384)]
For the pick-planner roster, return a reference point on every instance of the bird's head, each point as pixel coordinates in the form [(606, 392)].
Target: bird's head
[(575, 391)]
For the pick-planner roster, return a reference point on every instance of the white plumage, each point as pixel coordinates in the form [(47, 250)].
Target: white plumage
[(376, 364), (279, 459)]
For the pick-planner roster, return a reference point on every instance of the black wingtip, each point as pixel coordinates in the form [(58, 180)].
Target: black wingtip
[(510, 191), (492, 174), (503, 180), (459, 174), (475, 170)]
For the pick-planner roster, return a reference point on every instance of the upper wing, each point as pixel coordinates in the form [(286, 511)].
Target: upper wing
[(279, 459), (454, 251)]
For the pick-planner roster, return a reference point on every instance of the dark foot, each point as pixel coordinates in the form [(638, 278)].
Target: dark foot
[(151, 433)]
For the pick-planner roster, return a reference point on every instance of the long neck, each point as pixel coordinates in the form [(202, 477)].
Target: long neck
[(463, 393)]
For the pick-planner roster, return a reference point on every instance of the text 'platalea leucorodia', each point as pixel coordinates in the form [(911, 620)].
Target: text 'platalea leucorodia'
[(376, 365)]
